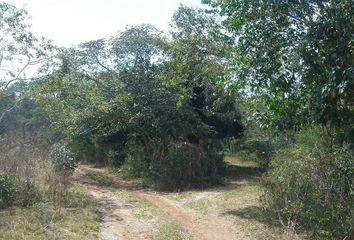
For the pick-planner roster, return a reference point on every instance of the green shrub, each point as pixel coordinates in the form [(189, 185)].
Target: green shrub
[(188, 165), (63, 158), (116, 157), (31, 173), (311, 186), (260, 146), (136, 165), (28, 194), (174, 166), (263, 149), (7, 190)]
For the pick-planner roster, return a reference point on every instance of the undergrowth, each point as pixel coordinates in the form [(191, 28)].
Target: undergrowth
[(75, 219), (310, 186)]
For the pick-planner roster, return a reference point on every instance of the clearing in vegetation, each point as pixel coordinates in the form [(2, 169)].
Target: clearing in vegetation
[(230, 211)]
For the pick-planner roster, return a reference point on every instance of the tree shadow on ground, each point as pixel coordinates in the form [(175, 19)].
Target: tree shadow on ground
[(235, 176), (238, 173), (254, 213)]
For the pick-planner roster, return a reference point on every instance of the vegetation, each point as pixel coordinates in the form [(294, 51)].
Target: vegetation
[(297, 60), (156, 224), (268, 81), (173, 231), (311, 185), (77, 219), (139, 101)]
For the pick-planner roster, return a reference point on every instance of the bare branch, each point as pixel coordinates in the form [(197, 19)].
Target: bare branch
[(5, 112), (18, 74)]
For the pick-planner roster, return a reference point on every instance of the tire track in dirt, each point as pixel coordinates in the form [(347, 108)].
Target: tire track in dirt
[(118, 221), (213, 229), (210, 229)]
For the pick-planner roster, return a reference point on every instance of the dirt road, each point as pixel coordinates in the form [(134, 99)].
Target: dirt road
[(119, 221)]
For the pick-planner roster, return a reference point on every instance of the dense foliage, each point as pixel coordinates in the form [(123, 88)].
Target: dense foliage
[(242, 76), (294, 59), (310, 185), (7, 190), (132, 99), (297, 57)]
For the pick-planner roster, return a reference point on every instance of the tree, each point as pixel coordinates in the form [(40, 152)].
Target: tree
[(297, 56), (109, 89), (201, 64), (21, 53), (134, 99)]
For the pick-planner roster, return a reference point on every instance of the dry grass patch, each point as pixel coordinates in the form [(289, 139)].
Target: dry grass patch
[(78, 219), (237, 203), (156, 224)]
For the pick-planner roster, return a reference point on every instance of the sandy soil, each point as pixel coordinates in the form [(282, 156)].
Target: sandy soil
[(119, 222)]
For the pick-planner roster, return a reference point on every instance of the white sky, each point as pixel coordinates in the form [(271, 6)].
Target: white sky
[(69, 22)]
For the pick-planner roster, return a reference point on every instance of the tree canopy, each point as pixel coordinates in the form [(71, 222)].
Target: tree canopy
[(297, 56)]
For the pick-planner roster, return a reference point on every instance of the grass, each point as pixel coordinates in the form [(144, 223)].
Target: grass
[(96, 176), (171, 230), (78, 219), (144, 209), (146, 182), (161, 226), (238, 201), (243, 208), (240, 161)]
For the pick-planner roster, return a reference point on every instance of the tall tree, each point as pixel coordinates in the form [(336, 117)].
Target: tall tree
[(21, 53), (201, 63), (297, 56)]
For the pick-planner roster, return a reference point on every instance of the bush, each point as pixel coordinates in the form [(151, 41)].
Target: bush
[(311, 186), (258, 146), (116, 157), (136, 165), (63, 158), (188, 165), (15, 192), (262, 149), (7, 190), (174, 166), (29, 174), (28, 194), (87, 149)]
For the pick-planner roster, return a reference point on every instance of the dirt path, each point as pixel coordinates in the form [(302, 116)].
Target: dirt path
[(118, 221)]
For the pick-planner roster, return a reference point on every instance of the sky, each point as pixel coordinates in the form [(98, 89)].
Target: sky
[(69, 22)]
